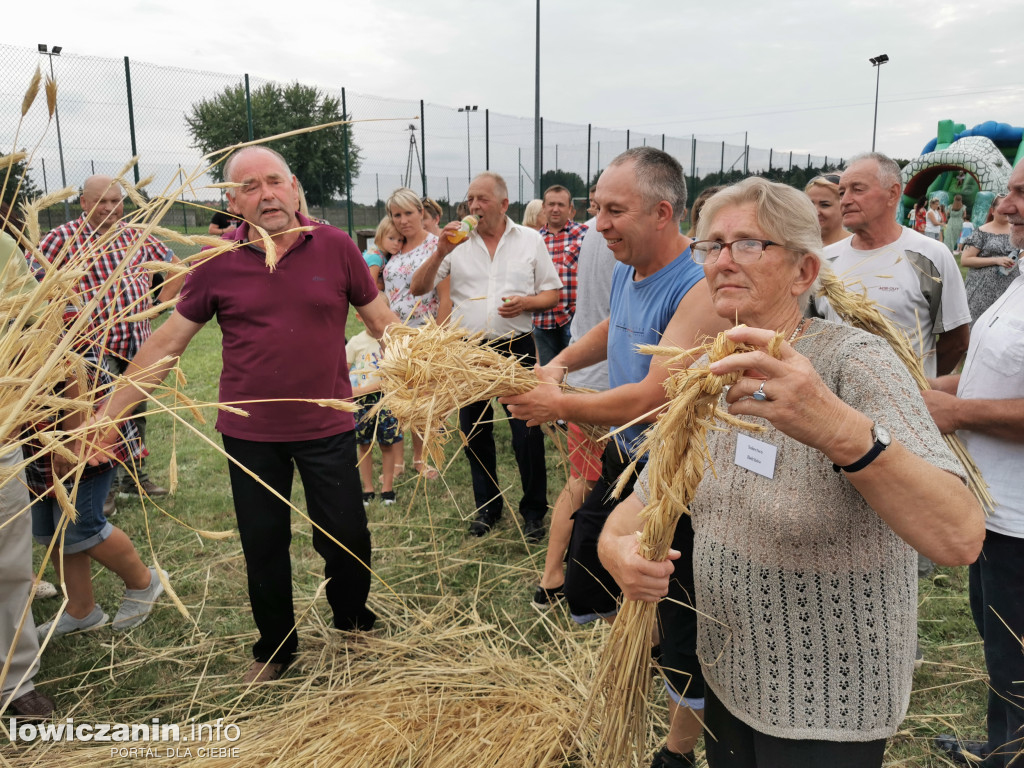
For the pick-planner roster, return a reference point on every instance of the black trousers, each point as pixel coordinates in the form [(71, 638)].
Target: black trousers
[(327, 467), (734, 744), (476, 423), (997, 596)]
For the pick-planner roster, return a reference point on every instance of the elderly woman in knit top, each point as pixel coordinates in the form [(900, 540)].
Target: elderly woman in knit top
[(804, 535)]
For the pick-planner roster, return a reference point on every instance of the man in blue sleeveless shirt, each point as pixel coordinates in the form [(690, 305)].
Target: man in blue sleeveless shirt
[(659, 296)]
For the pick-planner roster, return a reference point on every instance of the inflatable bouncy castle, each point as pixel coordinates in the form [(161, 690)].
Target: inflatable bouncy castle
[(974, 163)]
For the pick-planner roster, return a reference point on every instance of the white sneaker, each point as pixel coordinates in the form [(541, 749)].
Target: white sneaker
[(44, 590), (68, 623), (138, 603)]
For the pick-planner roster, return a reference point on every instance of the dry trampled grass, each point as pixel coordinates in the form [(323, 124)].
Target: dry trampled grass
[(446, 689)]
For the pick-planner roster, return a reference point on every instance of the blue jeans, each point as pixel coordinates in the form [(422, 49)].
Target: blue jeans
[(550, 341), (91, 527), (997, 596)]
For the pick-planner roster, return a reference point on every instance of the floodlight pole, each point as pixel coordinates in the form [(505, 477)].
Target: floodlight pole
[(536, 114), (56, 114), (469, 171), (877, 62)]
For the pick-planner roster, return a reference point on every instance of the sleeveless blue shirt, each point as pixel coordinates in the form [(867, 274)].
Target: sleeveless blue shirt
[(640, 312)]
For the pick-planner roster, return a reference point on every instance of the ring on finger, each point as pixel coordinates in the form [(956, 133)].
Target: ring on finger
[(759, 395)]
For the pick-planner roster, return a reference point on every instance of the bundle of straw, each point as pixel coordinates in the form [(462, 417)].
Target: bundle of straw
[(620, 692), (858, 310), (428, 373)]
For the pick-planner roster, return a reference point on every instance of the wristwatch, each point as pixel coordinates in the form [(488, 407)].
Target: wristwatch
[(882, 441)]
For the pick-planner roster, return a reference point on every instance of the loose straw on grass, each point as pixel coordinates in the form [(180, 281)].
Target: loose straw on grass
[(861, 312), (677, 450), (441, 689)]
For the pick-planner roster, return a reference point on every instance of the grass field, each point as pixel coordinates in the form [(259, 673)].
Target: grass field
[(430, 574)]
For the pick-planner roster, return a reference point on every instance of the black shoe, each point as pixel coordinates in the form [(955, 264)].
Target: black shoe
[(954, 749), (368, 497), (388, 497), (544, 598), (666, 758), (32, 707), (533, 529), (483, 524)]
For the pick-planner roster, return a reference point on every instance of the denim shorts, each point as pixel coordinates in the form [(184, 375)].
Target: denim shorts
[(91, 527)]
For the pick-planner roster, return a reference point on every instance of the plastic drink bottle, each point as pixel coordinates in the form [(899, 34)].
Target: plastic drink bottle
[(467, 226)]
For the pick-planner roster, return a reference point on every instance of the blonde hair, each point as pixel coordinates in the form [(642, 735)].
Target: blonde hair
[(821, 181), (431, 208), (531, 213), (385, 228), (404, 199)]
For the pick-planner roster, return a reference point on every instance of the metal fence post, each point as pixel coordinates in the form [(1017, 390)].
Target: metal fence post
[(663, 142), (131, 114), (346, 129), (46, 191), (693, 160), (721, 167), (487, 139), (627, 138), (248, 108), (770, 160), (184, 211), (423, 148), (588, 157)]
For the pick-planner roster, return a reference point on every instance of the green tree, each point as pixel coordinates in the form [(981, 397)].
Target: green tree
[(571, 181), (317, 158), (19, 175)]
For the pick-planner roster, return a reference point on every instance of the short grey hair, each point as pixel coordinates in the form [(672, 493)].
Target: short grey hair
[(785, 215), (888, 169), (499, 183), (229, 164), (659, 177)]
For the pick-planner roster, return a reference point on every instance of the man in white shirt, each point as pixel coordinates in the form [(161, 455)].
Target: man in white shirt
[(985, 406), (500, 275), (916, 279)]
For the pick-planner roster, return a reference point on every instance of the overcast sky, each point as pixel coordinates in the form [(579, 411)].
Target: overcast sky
[(794, 75)]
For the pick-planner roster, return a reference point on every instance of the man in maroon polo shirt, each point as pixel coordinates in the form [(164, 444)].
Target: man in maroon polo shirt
[(284, 337)]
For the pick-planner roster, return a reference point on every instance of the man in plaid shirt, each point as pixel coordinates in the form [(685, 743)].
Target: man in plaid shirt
[(563, 237), (101, 237)]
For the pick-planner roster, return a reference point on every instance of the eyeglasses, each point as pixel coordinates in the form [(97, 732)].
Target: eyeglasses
[(745, 251), (829, 177)]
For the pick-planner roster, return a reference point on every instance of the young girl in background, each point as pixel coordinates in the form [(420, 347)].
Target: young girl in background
[(363, 361), (386, 243)]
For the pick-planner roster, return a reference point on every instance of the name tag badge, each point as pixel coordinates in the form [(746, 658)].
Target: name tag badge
[(756, 455)]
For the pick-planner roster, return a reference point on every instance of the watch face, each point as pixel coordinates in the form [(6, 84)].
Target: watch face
[(882, 434)]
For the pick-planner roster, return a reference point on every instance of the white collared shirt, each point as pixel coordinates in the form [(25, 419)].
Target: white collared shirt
[(521, 267), (994, 370)]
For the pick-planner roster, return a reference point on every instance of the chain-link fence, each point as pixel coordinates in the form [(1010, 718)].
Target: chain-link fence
[(109, 109)]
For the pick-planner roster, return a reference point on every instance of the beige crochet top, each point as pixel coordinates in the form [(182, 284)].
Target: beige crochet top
[(806, 600)]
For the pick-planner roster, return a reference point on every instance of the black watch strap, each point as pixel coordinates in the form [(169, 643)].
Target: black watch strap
[(882, 441)]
